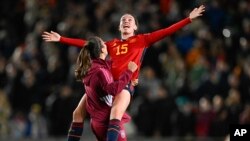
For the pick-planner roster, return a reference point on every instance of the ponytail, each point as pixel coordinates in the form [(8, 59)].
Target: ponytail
[(91, 50), (83, 63)]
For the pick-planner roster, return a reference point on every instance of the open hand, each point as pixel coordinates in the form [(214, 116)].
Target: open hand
[(132, 66), (197, 12), (51, 36)]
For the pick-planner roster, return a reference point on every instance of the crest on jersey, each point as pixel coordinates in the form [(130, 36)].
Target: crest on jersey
[(132, 40), (114, 44), (122, 132)]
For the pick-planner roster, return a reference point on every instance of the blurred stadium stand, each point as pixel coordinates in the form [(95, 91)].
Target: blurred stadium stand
[(194, 83)]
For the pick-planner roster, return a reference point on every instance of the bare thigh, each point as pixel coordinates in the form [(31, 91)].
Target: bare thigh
[(80, 111), (120, 104)]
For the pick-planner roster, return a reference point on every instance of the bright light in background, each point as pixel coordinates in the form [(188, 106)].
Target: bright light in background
[(243, 42), (226, 33)]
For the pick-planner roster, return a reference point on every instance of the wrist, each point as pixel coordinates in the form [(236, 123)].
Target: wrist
[(130, 71), (190, 19)]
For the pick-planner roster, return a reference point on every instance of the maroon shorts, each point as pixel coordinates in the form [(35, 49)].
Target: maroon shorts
[(130, 88), (100, 131)]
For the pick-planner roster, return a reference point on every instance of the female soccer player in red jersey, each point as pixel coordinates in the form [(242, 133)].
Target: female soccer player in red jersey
[(95, 73), (129, 48)]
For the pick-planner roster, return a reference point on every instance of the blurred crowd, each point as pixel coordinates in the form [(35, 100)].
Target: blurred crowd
[(195, 82)]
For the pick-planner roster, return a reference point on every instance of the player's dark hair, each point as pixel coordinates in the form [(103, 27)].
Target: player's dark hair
[(91, 50), (136, 20)]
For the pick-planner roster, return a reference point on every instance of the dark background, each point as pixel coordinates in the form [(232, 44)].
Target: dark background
[(193, 83)]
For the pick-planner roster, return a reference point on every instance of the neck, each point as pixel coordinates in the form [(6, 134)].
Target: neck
[(126, 35), (102, 56)]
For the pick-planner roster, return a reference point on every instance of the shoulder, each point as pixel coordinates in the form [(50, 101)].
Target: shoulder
[(105, 74), (140, 36), (103, 71), (110, 42)]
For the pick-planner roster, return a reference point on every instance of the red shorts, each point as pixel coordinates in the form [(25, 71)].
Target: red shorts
[(100, 131)]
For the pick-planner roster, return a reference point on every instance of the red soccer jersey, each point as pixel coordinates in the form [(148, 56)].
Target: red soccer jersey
[(131, 49)]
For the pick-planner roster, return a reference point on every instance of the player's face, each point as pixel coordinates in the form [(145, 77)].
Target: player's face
[(104, 48), (127, 24)]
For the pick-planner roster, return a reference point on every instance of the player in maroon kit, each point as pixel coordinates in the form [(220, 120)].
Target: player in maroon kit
[(95, 73), (129, 48)]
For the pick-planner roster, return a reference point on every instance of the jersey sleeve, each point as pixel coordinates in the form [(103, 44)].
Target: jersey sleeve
[(114, 87), (160, 34), (72, 42)]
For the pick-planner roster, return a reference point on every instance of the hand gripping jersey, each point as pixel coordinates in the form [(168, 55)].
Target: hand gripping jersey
[(101, 88), (131, 49)]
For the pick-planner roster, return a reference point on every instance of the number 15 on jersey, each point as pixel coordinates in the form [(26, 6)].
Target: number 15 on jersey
[(121, 49)]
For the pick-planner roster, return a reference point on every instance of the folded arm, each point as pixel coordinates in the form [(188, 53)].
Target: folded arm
[(114, 87)]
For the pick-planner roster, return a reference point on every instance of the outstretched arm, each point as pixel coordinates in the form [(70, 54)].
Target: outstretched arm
[(51, 36), (55, 37), (160, 34)]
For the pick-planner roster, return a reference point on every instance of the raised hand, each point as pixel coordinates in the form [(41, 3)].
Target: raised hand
[(51, 36), (132, 66), (134, 82), (197, 12)]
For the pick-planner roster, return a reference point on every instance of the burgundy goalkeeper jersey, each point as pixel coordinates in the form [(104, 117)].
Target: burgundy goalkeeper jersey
[(101, 88)]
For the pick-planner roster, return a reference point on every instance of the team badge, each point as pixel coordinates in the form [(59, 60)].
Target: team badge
[(122, 132), (132, 40)]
